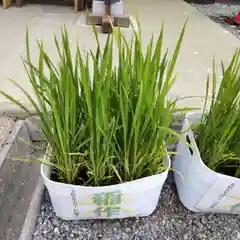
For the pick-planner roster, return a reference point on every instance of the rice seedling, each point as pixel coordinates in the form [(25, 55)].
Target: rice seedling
[(218, 135), (111, 127)]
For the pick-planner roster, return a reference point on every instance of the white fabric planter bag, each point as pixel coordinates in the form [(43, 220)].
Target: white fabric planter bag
[(135, 198), (98, 8), (199, 188)]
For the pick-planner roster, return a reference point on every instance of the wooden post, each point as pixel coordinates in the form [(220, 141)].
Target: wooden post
[(107, 20), (79, 5), (88, 4), (19, 3), (106, 25), (7, 3)]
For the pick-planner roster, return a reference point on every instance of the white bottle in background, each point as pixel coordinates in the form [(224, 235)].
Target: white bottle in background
[(98, 8), (117, 9)]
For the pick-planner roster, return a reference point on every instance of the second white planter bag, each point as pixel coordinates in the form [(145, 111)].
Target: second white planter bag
[(199, 188)]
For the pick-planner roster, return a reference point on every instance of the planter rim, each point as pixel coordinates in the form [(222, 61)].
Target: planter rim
[(197, 115), (166, 160)]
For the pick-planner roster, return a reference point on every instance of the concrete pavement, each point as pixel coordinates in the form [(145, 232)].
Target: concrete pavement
[(203, 39), (18, 179)]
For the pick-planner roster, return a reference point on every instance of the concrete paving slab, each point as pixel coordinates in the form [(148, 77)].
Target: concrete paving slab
[(6, 125), (29, 225), (34, 129), (203, 39), (18, 181)]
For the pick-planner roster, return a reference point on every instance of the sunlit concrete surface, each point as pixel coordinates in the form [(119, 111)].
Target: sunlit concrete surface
[(203, 39)]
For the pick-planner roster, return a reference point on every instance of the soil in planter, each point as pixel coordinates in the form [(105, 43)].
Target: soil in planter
[(79, 181), (82, 178), (230, 171)]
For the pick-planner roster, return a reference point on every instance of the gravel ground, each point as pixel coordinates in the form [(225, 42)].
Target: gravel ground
[(217, 11), (170, 221)]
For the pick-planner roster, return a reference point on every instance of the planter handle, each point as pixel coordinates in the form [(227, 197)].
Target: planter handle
[(189, 142)]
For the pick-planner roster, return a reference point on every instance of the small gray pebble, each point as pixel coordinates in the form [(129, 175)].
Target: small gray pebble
[(55, 222), (75, 231), (186, 236), (125, 236), (199, 237), (197, 223), (203, 220), (117, 225), (56, 231), (39, 238)]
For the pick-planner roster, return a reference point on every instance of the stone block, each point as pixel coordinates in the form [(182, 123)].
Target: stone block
[(35, 132), (122, 21)]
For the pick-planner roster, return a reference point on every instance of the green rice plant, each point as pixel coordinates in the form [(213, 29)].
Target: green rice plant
[(142, 84), (110, 126), (218, 135)]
